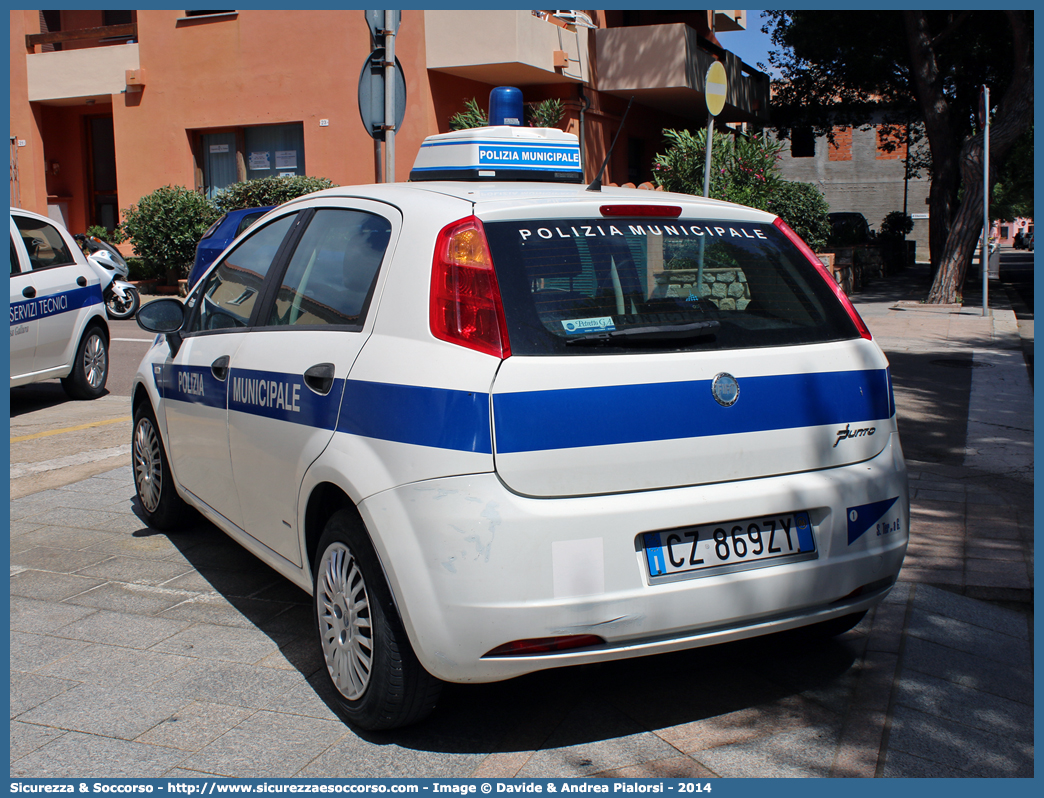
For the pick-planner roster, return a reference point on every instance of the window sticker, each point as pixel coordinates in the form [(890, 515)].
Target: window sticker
[(260, 160), (602, 324)]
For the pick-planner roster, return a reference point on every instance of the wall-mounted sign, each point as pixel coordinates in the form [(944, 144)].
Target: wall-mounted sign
[(286, 159), (215, 148), (260, 160)]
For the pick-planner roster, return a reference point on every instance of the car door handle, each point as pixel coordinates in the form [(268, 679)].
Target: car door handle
[(28, 292), (219, 368), (320, 378), (81, 281)]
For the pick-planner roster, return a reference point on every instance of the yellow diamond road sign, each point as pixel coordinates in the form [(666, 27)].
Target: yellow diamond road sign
[(716, 87)]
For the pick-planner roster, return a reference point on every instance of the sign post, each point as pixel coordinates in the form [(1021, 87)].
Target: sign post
[(715, 88), (382, 87), (984, 111)]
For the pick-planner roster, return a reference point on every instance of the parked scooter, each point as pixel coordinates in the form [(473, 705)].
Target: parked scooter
[(121, 298)]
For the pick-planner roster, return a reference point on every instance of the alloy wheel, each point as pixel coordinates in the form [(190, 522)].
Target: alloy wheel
[(148, 468), (345, 631), (95, 361)]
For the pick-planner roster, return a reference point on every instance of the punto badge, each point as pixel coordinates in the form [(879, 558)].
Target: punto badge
[(725, 389)]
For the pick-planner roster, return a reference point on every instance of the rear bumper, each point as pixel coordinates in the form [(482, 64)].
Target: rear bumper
[(474, 566)]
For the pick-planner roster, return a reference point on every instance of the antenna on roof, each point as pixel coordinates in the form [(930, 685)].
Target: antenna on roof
[(596, 184)]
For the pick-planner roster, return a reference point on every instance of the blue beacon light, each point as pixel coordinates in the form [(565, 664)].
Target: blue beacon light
[(505, 106)]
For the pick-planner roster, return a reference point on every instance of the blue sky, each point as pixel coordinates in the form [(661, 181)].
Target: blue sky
[(751, 44)]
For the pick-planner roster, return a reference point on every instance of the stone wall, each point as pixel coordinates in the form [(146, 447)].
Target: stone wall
[(726, 288)]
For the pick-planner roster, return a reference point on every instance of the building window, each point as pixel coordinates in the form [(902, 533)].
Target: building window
[(250, 153), (802, 142)]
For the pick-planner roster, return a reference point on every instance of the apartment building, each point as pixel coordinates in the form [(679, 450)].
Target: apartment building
[(107, 106)]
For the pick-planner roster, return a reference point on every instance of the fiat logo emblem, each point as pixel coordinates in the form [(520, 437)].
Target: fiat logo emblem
[(725, 389)]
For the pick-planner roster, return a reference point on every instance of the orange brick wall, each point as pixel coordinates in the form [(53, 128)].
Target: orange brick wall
[(891, 138), (841, 149)]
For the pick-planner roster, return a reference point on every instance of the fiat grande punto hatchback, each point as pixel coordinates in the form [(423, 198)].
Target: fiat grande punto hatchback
[(495, 422), (58, 327)]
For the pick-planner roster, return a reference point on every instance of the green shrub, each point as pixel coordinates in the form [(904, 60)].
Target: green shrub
[(268, 191), (165, 226), (896, 225), (138, 269), (744, 168), (114, 236), (471, 116), (745, 171), (804, 208), (545, 114)]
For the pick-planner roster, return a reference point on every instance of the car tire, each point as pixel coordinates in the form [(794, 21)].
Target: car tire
[(378, 682), (158, 499), (90, 369)]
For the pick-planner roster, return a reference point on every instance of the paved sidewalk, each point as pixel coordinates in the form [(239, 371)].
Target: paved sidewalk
[(141, 654)]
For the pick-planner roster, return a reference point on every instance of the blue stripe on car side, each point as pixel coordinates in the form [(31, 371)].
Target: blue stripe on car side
[(194, 384), (560, 419), (284, 397), (64, 302), (545, 420), (436, 417)]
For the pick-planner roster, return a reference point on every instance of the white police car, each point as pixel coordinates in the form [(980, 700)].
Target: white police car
[(496, 422), (58, 327)]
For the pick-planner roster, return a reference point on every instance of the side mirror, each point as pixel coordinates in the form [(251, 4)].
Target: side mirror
[(166, 317)]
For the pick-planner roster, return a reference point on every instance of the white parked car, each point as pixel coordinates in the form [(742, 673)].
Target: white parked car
[(58, 327), (500, 424)]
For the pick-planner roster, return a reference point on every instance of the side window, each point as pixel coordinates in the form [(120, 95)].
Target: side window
[(44, 243), (332, 272), (15, 267), (226, 298)]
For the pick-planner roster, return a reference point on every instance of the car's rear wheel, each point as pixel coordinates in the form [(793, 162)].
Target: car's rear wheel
[(90, 369), (378, 682), (157, 496)]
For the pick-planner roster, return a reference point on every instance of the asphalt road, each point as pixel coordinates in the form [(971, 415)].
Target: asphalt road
[(1016, 275)]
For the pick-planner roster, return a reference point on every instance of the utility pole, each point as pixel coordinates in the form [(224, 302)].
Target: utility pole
[(985, 257), (391, 24)]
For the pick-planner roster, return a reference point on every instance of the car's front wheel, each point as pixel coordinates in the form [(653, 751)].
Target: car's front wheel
[(90, 369), (160, 504), (378, 682)]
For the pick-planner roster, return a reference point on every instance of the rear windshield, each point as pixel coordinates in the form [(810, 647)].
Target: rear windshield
[(591, 285)]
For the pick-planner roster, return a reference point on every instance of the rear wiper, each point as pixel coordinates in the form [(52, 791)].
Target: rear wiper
[(696, 329)]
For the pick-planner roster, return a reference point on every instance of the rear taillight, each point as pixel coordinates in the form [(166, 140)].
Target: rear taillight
[(466, 308), (806, 250)]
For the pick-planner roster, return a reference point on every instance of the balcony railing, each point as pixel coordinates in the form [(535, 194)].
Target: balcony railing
[(128, 31)]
